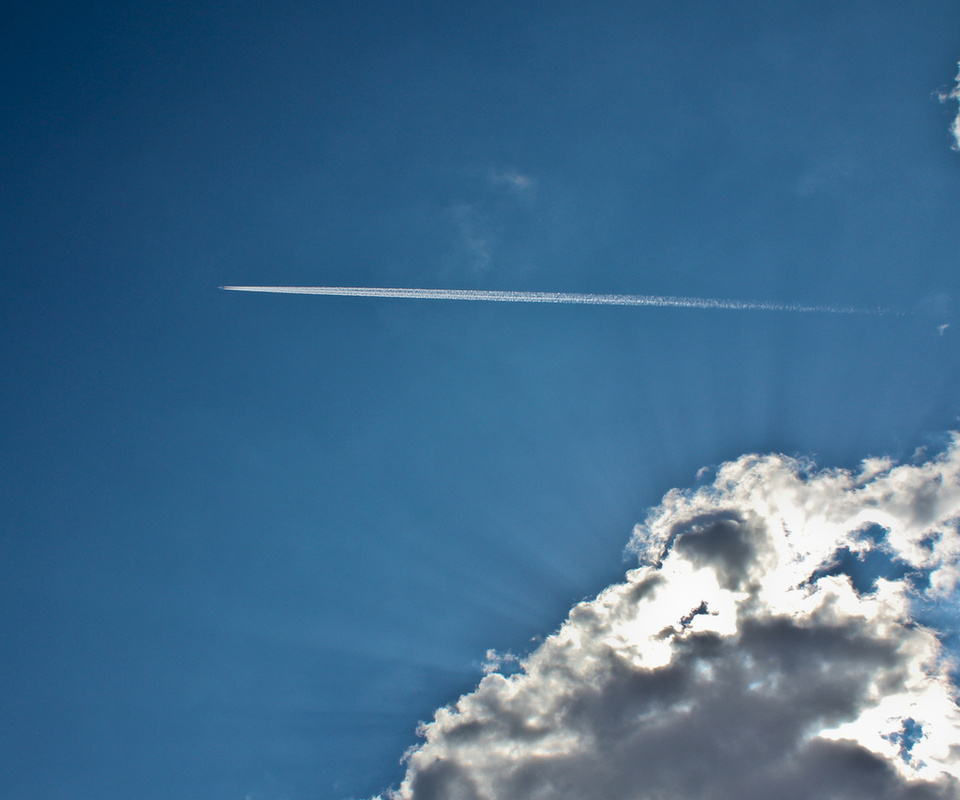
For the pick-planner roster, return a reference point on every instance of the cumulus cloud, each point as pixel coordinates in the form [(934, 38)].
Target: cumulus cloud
[(953, 94), (771, 643)]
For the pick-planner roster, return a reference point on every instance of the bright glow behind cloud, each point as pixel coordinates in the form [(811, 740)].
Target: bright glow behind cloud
[(740, 660)]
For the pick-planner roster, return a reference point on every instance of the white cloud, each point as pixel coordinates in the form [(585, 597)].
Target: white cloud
[(499, 662), (744, 658), (953, 94)]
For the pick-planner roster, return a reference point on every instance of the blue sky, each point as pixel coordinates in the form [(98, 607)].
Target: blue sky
[(248, 541)]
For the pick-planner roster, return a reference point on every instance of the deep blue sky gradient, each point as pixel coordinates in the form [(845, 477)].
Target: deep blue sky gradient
[(246, 542)]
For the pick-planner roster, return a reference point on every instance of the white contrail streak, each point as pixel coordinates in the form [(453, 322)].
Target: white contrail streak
[(660, 301)]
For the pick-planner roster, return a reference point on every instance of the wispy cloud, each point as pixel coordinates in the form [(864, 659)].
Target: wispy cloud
[(482, 222), (512, 179), (771, 644), (953, 94), (473, 238)]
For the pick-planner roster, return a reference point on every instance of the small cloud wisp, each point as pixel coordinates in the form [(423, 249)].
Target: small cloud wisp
[(953, 94), (783, 636), (513, 179)]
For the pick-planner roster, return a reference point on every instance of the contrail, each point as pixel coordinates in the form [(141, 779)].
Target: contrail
[(573, 298)]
